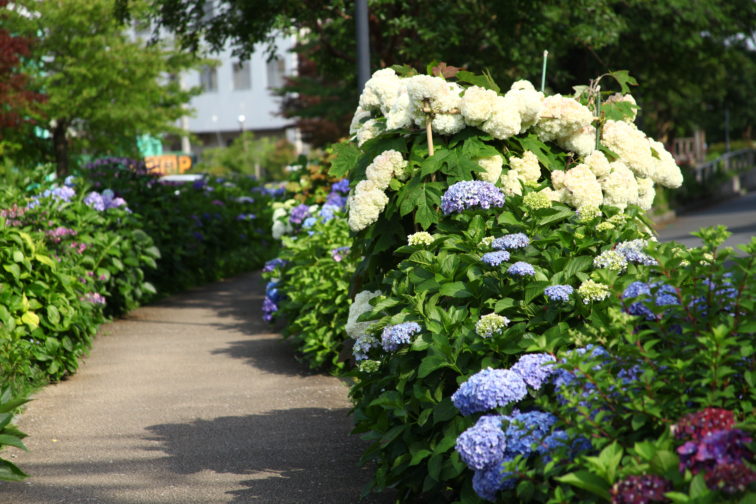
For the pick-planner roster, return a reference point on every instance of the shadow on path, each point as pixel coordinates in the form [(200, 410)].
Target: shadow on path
[(290, 456)]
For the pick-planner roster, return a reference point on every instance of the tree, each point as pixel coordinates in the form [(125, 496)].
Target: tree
[(103, 87), (16, 97), (245, 154), (680, 51)]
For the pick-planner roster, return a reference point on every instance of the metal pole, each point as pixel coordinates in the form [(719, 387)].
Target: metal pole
[(363, 43)]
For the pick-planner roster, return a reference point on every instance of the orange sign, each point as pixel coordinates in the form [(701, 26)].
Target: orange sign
[(168, 164)]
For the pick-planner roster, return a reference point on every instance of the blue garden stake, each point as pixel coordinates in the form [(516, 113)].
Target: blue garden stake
[(598, 115), (543, 72)]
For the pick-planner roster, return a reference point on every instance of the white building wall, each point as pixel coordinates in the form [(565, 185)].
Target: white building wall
[(219, 111)]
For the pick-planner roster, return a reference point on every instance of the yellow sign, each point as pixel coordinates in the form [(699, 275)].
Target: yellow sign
[(168, 164)]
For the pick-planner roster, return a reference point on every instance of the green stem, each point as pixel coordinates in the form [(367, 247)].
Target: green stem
[(543, 70)]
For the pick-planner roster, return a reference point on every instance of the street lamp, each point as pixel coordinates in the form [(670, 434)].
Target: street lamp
[(217, 130)]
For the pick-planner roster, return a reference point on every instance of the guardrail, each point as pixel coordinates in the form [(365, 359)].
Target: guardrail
[(736, 162)]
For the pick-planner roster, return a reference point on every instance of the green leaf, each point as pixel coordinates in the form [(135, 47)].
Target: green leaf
[(484, 81), (624, 79), (13, 269), (8, 440), (45, 260), (430, 364), (31, 319), (455, 290), (663, 461), (53, 315), (444, 411), (18, 256), (587, 481), (345, 158)]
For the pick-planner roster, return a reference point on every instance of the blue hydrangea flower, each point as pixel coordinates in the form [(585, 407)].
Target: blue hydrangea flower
[(336, 199), (535, 369), (362, 346), (511, 241), (399, 334), (559, 293), (299, 213), (64, 193), (273, 264), (271, 290), (327, 212), (309, 222), (489, 389), (269, 308), (488, 482), (471, 194), (483, 444), (526, 432), (633, 252), (495, 258), (341, 186), (666, 295), (567, 385), (636, 289), (521, 269), (245, 199), (95, 200)]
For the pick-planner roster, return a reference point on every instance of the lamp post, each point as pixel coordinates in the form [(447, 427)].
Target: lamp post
[(217, 130), (241, 120), (363, 43)]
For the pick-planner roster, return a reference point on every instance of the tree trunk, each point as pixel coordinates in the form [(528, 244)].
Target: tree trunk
[(60, 149)]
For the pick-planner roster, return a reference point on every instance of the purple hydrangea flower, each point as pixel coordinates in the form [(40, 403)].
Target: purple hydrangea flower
[(640, 489), (483, 444), (299, 213), (471, 194), (495, 258), (559, 293), (521, 269), (95, 200), (489, 389), (399, 334), (726, 446), (511, 241), (245, 199), (339, 253), (336, 199), (269, 308), (535, 369), (95, 298), (341, 186), (64, 193)]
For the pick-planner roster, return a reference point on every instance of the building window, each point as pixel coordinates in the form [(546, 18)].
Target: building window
[(209, 79), (242, 76), (276, 72)]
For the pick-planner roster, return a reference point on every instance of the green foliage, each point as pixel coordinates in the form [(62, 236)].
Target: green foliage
[(207, 230), (247, 155), (10, 435), (314, 283)]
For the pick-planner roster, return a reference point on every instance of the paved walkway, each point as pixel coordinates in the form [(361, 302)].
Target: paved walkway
[(738, 214), (192, 400)]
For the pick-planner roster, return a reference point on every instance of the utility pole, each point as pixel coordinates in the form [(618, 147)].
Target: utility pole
[(363, 43)]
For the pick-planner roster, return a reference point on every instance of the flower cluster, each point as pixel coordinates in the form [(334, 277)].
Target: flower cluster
[(471, 194), (270, 303), (489, 389), (104, 201), (94, 298), (490, 325), (640, 489), (521, 269), (511, 241), (495, 258), (400, 334), (559, 293), (665, 295), (632, 251), (535, 369), (369, 198), (611, 260), (57, 234), (12, 215), (339, 253), (419, 239), (590, 291), (273, 264)]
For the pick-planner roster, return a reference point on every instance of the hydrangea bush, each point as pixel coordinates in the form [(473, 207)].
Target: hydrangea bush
[(532, 214)]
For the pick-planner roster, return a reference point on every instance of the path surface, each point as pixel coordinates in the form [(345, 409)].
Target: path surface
[(192, 400), (738, 214)]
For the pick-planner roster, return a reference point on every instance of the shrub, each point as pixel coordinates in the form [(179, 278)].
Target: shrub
[(10, 435)]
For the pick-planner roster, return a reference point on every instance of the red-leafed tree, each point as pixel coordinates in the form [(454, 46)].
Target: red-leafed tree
[(15, 96)]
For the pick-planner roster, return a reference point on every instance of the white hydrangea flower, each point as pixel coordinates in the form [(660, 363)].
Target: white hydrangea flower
[(440, 95), (581, 143), (598, 163), (490, 325), (619, 97), (537, 200), (381, 90), (529, 103), (620, 187), (448, 124), (527, 167), (384, 167), (280, 228), (477, 105), (365, 205), (557, 179), (360, 305), (561, 117), (511, 184), (505, 119), (631, 145), (611, 260), (646, 193), (590, 291), (360, 116), (560, 195), (420, 238), (666, 172), (370, 129), (401, 113), (492, 166), (583, 186)]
